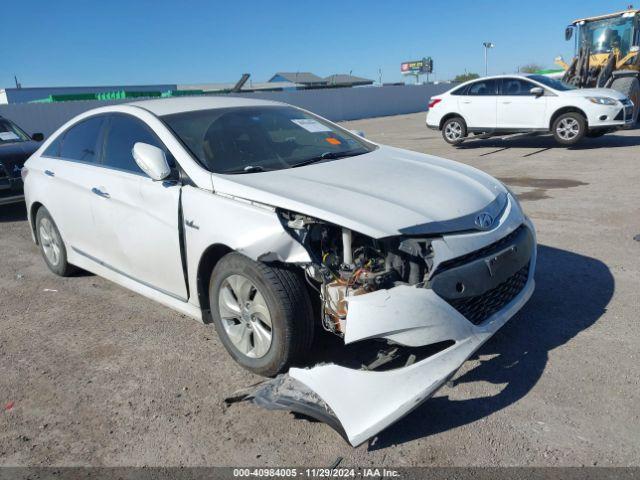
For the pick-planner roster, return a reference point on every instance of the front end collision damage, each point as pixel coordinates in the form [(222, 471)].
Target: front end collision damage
[(371, 289)]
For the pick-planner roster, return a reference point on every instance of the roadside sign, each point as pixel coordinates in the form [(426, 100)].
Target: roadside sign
[(416, 67)]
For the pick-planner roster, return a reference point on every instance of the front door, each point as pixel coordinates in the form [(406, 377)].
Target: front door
[(518, 108), (136, 218)]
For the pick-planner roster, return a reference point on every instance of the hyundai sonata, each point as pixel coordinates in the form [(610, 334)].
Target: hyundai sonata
[(267, 221)]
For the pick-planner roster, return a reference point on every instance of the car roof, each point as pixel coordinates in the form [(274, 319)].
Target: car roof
[(495, 77), (168, 106)]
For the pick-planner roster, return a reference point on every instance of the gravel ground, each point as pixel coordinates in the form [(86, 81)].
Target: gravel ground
[(92, 374)]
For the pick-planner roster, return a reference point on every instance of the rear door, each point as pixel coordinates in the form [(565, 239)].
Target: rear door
[(518, 108), (137, 218), (68, 168), (477, 104)]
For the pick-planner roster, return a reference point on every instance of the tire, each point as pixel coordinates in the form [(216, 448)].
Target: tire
[(454, 131), (51, 244), (629, 86), (569, 128), (276, 303)]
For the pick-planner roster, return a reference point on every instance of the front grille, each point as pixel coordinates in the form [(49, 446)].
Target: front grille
[(483, 252), (477, 309)]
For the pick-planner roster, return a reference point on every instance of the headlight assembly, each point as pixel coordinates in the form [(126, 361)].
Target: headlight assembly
[(603, 100)]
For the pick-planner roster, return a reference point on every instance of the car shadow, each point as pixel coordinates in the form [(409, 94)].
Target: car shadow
[(611, 140), (14, 212), (519, 352)]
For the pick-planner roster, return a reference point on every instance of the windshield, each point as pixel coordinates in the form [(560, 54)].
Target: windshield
[(552, 83), (10, 132), (601, 36), (256, 139)]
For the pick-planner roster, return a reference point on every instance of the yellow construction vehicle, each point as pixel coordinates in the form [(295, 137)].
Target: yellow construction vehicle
[(607, 54)]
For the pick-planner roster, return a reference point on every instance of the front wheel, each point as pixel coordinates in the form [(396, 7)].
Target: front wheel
[(454, 131), (569, 128), (262, 313)]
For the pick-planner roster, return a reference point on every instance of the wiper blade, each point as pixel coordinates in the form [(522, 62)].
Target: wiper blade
[(247, 169), (329, 156)]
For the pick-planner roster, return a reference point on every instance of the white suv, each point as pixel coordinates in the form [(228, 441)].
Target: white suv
[(533, 103)]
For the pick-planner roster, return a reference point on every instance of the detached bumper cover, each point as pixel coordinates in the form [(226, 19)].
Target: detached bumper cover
[(367, 402)]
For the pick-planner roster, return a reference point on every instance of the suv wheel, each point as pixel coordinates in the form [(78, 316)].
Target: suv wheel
[(262, 313), (569, 128), (454, 131)]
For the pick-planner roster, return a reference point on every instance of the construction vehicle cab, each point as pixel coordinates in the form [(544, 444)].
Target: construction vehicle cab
[(607, 54)]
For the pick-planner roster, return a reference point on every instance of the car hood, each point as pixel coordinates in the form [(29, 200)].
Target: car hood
[(596, 92), (13, 155), (386, 192)]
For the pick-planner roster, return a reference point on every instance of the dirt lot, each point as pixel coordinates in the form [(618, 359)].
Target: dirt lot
[(98, 375)]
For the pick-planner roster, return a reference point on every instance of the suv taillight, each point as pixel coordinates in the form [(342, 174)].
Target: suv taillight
[(434, 102)]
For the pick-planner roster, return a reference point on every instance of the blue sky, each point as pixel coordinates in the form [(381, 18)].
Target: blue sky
[(61, 43)]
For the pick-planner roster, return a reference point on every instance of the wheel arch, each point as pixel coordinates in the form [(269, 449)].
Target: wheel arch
[(33, 211), (449, 116), (568, 109), (208, 260)]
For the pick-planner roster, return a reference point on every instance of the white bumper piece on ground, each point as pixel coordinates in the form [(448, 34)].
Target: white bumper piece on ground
[(366, 402)]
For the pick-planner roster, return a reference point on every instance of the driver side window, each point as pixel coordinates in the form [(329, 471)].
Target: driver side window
[(516, 87), (123, 132)]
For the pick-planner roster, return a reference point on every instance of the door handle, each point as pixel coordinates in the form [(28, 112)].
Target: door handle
[(506, 103), (466, 101), (100, 193), (49, 173)]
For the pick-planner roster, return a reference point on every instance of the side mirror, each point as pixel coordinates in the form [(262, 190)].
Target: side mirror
[(359, 133), (151, 160), (568, 32), (537, 91), (38, 137)]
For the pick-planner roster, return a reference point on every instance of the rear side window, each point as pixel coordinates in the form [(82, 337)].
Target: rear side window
[(459, 90), (483, 87), (53, 150), (123, 132), (81, 142)]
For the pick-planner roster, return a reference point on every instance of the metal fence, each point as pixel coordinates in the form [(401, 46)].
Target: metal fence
[(336, 104)]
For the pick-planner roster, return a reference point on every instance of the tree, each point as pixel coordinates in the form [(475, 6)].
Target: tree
[(463, 77), (531, 68)]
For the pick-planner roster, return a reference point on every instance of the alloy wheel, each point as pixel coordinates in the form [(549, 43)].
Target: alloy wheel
[(50, 240), (453, 131), (568, 128), (245, 316)]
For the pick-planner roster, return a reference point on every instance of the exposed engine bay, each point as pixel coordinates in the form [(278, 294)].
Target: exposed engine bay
[(347, 264)]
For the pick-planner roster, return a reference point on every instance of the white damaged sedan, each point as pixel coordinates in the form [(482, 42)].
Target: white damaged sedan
[(268, 221)]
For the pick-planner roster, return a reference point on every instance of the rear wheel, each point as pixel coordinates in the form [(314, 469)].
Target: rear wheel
[(454, 131), (261, 312), (569, 128), (629, 86), (51, 245)]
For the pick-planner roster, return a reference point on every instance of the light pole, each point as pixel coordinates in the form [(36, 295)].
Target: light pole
[(487, 46)]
